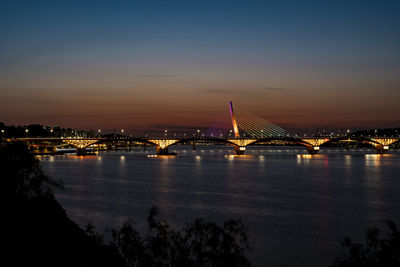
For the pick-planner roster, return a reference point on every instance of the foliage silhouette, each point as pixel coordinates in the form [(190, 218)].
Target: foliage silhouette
[(36, 229), (198, 244), (376, 252), (22, 175)]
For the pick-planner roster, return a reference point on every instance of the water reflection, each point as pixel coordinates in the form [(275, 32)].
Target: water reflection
[(375, 159), (347, 161), (315, 198), (303, 159), (307, 158), (122, 160), (374, 182), (231, 157)]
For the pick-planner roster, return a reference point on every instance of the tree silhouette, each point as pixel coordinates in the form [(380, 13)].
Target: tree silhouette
[(376, 252), (36, 229), (199, 243), (22, 175)]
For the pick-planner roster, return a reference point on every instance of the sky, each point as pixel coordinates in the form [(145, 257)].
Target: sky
[(170, 64)]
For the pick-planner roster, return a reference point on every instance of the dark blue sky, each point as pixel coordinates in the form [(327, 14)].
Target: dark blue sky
[(334, 63)]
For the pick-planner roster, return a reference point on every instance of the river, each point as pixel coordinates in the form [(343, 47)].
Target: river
[(297, 207)]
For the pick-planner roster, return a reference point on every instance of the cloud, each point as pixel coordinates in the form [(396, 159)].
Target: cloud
[(240, 91), (156, 75), (215, 91), (274, 89)]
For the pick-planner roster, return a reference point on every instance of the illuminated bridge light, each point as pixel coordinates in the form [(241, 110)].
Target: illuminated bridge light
[(80, 143), (242, 142), (384, 141), (315, 142), (163, 143)]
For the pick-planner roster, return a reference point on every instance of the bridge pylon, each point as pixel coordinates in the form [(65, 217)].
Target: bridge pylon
[(313, 144), (239, 150), (381, 144), (312, 149), (163, 144), (240, 144)]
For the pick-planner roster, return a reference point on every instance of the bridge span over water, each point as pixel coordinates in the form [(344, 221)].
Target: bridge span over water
[(261, 132), (312, 144)]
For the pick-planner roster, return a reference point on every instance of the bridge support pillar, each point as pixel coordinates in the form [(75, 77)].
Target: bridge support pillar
[(163, 151), (193, 145), (312, 150), (381, 149), (81, 151), (239, 150)]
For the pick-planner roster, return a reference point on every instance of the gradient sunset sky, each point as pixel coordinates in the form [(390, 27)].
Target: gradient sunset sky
[(148, 64)]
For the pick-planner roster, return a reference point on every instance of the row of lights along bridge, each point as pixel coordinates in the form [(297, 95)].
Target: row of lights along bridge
[(84, 134)]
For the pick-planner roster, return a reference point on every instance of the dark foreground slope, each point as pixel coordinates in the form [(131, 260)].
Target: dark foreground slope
[(36, 229)]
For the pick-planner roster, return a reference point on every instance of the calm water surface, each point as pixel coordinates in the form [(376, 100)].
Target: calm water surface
[(297, 207)]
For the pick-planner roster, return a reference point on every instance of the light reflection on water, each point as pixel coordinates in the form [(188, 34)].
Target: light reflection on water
[(373, 160), (298, 207)]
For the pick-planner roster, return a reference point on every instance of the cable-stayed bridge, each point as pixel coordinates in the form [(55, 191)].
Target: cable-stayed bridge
[(243, 131)]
